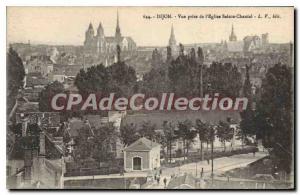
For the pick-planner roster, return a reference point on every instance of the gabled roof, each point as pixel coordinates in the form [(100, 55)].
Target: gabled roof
[(142, 144)]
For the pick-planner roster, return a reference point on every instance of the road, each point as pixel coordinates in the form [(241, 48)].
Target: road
[(221, 165)]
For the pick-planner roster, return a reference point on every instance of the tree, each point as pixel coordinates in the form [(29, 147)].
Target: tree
[(224, 133), (187, 134), (168, 129), (169, 55), (15, 76), (118, 53), (247, 124), (104, 142), (247, 84), (155, 82), (95, 79), (84, 144), (156, 60), (119, 78), (274, 115), (200, 72), (147, 130), (122, 79), (200, 55), (224, 79), (46, 95), (128, 134), (203, 132), (179, 74)]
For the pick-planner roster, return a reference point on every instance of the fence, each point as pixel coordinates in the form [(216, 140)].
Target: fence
[(98, 171)]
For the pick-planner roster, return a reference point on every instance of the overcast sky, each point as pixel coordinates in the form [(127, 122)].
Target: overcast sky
[(67, 25)]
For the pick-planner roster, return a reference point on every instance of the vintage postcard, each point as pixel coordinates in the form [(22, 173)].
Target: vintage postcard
[(144, 98)]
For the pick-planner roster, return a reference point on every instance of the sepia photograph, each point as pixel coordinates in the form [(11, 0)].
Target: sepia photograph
[(150, 98)]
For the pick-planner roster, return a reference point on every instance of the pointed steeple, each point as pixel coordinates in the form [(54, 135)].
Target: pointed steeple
[(90, 26), (172, 36), (232, 36), (89, 34), (118, 35), (172, 40), (118, 19), (100, 31)]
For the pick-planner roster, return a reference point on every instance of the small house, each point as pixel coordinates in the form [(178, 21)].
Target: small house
[(142, 155)]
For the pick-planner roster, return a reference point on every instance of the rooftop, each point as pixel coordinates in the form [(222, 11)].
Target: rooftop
[(142, 144)]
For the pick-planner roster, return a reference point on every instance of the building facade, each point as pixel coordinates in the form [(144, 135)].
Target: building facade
[(142, 155)]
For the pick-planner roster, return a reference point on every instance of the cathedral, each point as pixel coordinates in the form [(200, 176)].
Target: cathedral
[(101, 44)]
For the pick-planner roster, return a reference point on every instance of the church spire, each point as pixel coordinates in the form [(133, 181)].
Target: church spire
[(118, 30), (100, 31), (172, 40), (89, 34), (232, 36), (118, 19), (172, 36), (90, 26)]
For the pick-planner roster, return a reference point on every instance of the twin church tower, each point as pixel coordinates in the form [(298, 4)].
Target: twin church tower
[(101, 44)]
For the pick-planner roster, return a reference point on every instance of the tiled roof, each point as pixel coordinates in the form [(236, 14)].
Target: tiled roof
[(142, 144)]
